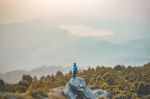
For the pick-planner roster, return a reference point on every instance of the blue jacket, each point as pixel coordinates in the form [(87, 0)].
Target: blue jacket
[(75, 68)]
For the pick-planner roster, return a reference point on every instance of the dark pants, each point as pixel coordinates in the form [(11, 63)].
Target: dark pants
[(74, 74)]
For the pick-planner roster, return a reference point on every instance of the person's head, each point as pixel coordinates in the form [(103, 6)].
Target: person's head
[(74, 63)]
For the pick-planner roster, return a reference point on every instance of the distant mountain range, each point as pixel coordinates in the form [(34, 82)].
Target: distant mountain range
[(33, 43), (15, 76), (38, 42)]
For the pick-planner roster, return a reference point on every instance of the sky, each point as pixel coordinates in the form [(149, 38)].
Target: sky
[(59, 32)]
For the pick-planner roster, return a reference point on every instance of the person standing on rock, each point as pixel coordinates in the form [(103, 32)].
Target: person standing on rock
[(75, 69)]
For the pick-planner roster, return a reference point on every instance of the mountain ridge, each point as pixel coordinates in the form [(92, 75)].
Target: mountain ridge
[(15, 75)]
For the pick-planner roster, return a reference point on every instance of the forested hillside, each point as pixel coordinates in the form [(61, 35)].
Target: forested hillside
[(124, 82)]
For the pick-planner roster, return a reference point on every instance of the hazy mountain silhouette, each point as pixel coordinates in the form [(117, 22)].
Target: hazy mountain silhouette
[(27, 44), (15, 75)]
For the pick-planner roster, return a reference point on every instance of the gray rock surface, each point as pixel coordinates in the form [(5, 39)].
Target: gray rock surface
[(77, 89)]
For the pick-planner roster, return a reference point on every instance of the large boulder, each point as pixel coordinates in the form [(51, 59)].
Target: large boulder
[(99, 93), (77, 89)]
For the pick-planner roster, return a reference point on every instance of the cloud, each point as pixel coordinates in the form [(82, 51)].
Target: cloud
[(86, 31)]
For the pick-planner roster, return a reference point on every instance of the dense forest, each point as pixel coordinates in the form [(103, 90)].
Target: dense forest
[(124, 82)]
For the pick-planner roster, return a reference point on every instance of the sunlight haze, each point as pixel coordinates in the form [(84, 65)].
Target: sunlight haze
[(34, 33)]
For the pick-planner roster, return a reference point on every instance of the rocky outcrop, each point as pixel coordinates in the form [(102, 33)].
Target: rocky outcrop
[(77, 89)]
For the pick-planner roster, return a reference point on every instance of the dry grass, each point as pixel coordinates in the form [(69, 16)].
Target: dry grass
[(56, 96)]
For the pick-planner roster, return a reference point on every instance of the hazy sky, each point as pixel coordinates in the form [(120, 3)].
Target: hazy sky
[(57, 32)]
